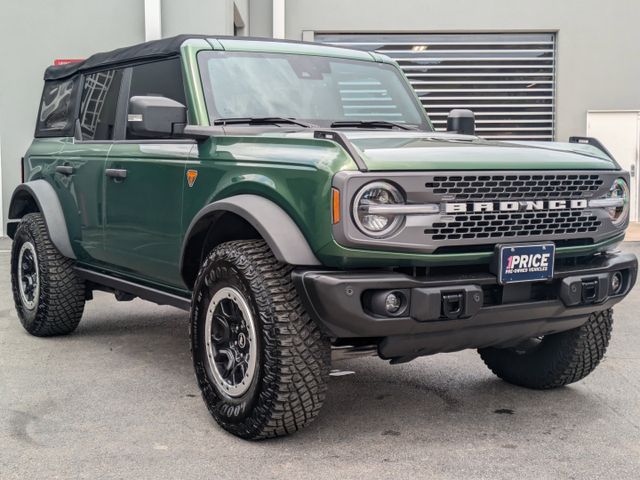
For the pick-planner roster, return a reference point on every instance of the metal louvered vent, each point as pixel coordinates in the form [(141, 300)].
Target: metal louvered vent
[(506, 79)]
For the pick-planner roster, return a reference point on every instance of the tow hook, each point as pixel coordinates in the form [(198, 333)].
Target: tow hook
[(589, 291), (445, 303), (452, 305), (593, 289)]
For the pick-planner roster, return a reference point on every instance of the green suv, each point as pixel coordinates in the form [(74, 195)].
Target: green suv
[(296, 200)]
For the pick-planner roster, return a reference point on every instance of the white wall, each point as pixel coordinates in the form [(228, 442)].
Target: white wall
[(261, 16), (200, 16)]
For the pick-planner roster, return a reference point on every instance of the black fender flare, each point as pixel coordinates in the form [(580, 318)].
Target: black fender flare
[(48, 204), (272, 223)]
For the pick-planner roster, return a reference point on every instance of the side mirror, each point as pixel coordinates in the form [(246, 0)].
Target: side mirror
[(155, 116), (461, 121)]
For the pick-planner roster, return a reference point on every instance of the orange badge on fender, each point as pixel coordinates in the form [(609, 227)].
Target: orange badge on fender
[(191, 177)]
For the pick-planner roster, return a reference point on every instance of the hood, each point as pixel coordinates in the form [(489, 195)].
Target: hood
[(383, 151)]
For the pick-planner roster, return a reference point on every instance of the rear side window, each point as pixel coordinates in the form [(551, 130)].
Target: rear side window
[(56, 117), (158, 78), (99, 103)]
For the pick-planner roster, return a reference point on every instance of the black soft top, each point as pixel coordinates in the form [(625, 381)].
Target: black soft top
[(165, 47)]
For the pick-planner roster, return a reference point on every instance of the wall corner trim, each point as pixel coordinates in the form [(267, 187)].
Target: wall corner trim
[(279, 18), (152, 20)]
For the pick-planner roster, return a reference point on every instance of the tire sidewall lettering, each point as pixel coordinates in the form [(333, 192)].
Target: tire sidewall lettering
[(215, 276)]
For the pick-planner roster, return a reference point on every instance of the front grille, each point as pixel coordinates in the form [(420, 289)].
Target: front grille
[(489, 225), (514, 187), (560, 214)]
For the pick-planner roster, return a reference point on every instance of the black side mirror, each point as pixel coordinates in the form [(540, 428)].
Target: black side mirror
[(461, 121), (155, 116)]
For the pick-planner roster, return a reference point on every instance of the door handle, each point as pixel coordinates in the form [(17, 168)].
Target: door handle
[(65, 169), (118, 173)]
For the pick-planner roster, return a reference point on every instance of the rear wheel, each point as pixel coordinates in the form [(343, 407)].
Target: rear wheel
[(262, 364), (553, 360), (48, 294)]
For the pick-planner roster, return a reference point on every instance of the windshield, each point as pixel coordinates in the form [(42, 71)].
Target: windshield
[(319, 90)]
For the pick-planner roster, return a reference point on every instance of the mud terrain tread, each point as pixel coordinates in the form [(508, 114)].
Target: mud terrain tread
[(297, 356), (62, 292), (562, 358)]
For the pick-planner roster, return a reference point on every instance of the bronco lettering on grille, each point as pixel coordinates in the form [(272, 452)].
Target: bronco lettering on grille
[(514, 206)]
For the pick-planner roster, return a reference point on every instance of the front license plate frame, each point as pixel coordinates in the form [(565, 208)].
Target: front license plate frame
[(525, 262)]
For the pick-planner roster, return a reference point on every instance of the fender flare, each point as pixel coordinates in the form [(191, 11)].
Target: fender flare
[(48, 204), (272, 223)]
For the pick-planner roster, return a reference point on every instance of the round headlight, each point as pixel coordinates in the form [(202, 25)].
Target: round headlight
[(619, 190), (372, 223)]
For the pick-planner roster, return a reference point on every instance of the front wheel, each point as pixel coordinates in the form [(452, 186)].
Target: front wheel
[(261, 363), (553, 360)]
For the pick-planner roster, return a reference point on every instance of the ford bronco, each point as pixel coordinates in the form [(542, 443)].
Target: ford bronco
[(296, 200)]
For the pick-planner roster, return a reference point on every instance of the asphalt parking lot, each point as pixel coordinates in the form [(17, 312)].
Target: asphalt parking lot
[(118, 399)]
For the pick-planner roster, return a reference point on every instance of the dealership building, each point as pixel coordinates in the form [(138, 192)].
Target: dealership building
[(537, 71)]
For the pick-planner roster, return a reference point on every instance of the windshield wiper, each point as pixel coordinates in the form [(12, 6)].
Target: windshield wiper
[(262, 121), (370, 123)]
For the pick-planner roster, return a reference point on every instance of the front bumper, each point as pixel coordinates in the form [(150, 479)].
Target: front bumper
[(490, 315)]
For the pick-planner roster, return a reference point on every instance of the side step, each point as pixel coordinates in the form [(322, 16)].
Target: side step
[(146, 293)]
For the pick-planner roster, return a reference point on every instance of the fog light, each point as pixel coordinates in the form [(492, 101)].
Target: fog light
[(393, 302), (616, 283), (387, 303)]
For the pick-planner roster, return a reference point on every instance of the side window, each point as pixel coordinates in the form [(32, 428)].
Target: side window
[(99, 103), (158, 78), (56, 117)]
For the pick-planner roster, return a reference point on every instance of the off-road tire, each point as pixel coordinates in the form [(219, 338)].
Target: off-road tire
[(294, 356), (61, 298), (560, 359)]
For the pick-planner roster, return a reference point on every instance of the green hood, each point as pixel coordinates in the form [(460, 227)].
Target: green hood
[(383, 151)]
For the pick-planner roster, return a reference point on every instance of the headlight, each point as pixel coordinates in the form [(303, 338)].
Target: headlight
[(371, 219), (619, 192)]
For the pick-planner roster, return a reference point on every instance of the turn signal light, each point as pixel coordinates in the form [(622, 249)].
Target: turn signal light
[(335, 205)]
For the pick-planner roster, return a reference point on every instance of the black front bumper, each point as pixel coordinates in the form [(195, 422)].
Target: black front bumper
[(489, 314)]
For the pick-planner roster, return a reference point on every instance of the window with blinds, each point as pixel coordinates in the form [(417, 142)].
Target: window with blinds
[(508, 80)]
